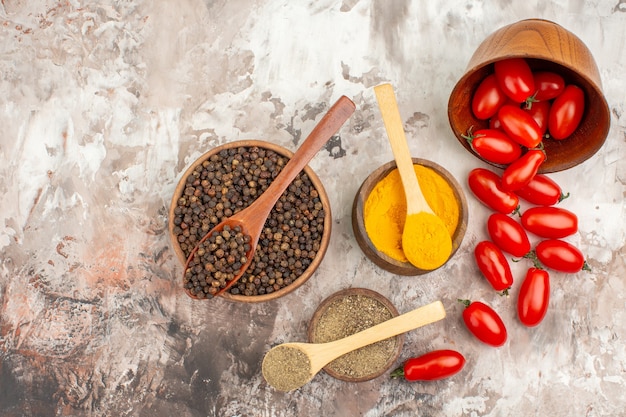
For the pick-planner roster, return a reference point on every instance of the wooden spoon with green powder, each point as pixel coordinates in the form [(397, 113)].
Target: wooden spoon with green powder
[(426, 241), (291, 365)]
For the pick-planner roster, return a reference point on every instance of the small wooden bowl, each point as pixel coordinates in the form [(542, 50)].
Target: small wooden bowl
[(358, 223), (546, 46), (393, 353), (178, 192)]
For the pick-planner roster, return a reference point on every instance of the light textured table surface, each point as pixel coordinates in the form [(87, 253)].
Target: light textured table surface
[(105, 105)]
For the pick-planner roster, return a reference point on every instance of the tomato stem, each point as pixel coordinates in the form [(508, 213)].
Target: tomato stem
[(530, 100), (540, 147), (532, 255), (563, 197), (466, 303), (397, 373), (469, 136), (586, 266)]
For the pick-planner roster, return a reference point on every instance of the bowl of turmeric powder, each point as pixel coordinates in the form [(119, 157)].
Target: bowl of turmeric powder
[(379, 212)]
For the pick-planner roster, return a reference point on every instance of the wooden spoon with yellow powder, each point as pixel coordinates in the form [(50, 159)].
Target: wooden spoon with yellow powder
[(426, 241)]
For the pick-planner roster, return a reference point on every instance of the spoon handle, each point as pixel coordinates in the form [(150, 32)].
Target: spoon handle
[(419, 317), (400, 148), (323, 131)]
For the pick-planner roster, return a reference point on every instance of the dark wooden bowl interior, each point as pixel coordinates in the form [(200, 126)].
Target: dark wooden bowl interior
[(318, 186), (321, 309), (547, 46), (358, 224)]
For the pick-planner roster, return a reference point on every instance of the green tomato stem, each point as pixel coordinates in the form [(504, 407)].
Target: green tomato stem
[(398, 372), (466, 303), (563, 197)]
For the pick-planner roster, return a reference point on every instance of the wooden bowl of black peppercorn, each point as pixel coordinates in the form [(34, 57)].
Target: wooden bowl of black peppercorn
[(229, 178)]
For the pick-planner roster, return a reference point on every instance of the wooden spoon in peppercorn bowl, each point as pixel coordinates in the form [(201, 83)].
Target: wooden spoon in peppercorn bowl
[(426, 241), (222, 256)]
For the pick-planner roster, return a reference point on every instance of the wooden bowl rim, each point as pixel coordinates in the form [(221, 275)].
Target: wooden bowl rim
[(318, 186), (592, 78), (358, 223), (321, 309)]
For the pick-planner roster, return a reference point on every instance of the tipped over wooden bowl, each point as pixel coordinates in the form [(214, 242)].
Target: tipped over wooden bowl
[(546, 46)]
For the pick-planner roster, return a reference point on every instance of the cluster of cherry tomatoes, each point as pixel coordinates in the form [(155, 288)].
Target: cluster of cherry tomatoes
[(550, 224), (526, 106), (523, 108)]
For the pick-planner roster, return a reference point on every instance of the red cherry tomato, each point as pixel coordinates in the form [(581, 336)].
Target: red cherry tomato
[(534, 297), (550, 222), (540, 112), (522, 171), (494, 146), (494, 123), (493, 265), (560, 256), (566, 112), (520, 126), (431, 366), (484, 323), (508, 234), (515, 78), (485, 185), (488, 98), (548, 85), (542, 191)]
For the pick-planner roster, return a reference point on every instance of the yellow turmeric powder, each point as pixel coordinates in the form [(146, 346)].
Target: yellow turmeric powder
[(428, 244), (384, 212)]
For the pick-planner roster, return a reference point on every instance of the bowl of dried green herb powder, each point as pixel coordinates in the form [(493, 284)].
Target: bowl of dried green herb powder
[(350, 311)]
